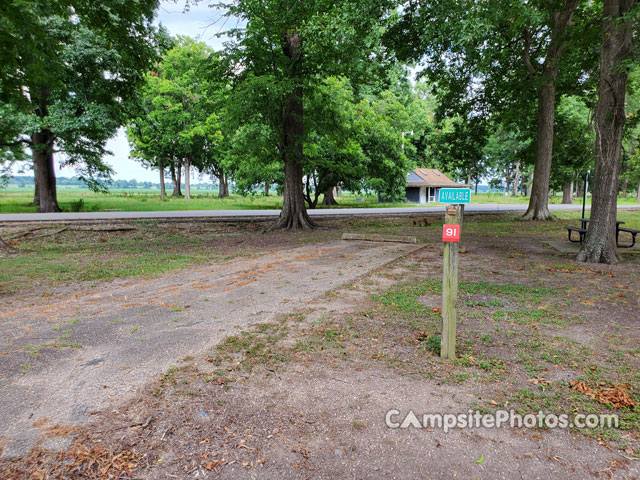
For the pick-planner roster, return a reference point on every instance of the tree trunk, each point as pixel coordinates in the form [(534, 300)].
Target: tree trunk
[(226, 185), (638, 194), (311, 202), (36, 190), (617, 33), (294, 213), (567, 193), (187, 177), (516, 180), (625, 185), (329, 198), (179, 179), (174, 180), (163, 190), (507, 181), (539, 201), (266, 189), (330, 191), (223, 189), (44, 173), (42, 144)]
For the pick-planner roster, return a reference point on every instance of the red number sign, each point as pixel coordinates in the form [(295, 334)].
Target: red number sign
[(451, 233)]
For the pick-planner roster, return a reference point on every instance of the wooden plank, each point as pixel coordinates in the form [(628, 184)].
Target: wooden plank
[(453, 216), (374, 237)]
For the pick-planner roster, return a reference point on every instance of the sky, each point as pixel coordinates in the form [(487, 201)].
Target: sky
[(200, 22)]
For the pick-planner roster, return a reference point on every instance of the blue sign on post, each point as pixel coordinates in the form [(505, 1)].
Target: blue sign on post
[(455, 195)]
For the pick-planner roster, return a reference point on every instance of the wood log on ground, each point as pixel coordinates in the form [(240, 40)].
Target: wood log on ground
[(374, 237)]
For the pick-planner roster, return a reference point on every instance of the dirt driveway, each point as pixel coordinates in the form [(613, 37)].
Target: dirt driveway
[(64, 358)]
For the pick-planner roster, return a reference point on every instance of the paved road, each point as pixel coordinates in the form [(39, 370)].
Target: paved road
[(320, 212)]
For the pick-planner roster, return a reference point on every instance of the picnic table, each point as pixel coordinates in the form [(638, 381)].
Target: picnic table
[(582, 231)]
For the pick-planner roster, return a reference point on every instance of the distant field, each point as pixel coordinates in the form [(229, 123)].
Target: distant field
[(16, 200), (75, 199)]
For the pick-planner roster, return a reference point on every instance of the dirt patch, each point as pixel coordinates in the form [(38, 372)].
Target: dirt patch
[(325, 422)]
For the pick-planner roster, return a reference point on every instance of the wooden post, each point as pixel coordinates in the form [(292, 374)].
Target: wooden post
[(453, 216)]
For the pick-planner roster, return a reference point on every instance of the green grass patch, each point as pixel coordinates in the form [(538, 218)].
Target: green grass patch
[(35, 350), (525, 316), (403, 299), (71, 257), (258, 346)]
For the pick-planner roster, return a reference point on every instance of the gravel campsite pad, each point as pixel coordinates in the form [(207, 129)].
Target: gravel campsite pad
[(283, 363)]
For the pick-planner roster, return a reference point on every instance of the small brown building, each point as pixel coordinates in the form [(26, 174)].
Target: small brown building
[(424, 184)]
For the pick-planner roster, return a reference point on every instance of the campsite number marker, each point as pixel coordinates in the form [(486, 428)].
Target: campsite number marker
[(451, 233), (451, 238)]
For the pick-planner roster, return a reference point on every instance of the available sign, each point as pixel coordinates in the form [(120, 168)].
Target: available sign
[(451, 233), (455, 195)]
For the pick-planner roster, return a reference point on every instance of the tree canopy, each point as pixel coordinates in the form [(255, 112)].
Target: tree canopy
[(69, 71), (318, 95), (284, 52), (178, 121), (496, 58)]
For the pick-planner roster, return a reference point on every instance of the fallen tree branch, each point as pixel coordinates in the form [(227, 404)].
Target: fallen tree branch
[(114, 229), (53, 233), (374, 237), (28, 232), (97, 230), (6, 247)]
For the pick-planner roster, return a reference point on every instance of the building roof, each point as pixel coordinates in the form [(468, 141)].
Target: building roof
[(430, 177)]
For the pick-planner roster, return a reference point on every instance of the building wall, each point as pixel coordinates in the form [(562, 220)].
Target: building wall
[(422, 195), (413, 194)]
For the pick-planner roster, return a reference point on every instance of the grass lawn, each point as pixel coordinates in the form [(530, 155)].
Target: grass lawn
[(59, 254), (73, 199)]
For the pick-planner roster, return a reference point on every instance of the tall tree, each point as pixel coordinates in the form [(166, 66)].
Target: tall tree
[(177, 122), (546, 76), (620, 22), (285, 48), (495, 57), (72, 66)]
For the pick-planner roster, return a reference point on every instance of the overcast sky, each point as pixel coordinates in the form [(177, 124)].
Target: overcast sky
[(200, 22)]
